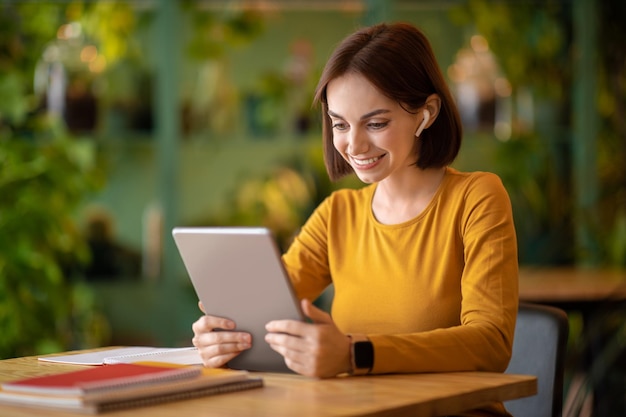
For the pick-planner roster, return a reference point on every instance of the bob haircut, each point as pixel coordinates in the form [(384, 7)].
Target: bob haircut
[(398, 59)]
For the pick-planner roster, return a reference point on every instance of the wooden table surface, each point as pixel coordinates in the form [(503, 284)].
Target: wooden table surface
[(571, 285), (294, 395)]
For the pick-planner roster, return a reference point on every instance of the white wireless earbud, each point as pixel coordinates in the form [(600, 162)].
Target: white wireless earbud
[(424, 123)]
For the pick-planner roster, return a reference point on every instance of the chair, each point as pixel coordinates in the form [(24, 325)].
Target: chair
[(539, 349)]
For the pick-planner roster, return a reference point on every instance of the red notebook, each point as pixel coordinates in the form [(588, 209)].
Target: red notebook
[(101, 378), (114, 392)]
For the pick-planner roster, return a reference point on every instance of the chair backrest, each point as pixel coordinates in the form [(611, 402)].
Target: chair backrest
[(539, 349)]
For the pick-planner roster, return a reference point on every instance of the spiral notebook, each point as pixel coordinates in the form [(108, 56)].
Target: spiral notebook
[(113, 387), (92, 381)]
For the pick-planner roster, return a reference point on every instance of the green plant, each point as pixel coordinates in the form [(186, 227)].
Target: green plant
[(283, 199), (533, 46), (45, 175), (612, 145), (42, 307)]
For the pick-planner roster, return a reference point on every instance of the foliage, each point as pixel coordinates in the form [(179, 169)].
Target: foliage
[(44, 176), (267, 104), (612, 131), (24, 30), (212, 32), (114, 25), (541, 204), (46, 173), (282, 200), (533, 44), (41, 308)]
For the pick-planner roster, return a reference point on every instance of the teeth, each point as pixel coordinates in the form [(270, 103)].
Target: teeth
[(365, 161)]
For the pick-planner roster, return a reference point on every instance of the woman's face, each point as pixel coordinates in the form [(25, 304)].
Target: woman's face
[(372, 132)]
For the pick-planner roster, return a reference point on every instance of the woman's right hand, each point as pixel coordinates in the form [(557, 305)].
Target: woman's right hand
[(216, 347)]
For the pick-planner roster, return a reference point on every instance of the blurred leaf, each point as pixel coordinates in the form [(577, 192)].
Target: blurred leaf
[(41, 184)]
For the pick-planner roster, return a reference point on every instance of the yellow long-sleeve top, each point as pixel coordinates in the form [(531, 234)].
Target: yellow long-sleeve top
[(436, 293)]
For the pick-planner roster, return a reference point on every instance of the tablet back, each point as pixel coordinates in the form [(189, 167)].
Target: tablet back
[(238, 274)]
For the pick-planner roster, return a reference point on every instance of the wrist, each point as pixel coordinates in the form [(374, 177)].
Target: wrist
[(361, 354)]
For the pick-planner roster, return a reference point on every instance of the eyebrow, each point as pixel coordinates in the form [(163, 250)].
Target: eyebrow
[(365, 116)]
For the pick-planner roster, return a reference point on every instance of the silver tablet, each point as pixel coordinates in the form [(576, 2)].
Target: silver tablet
[(237, 273)]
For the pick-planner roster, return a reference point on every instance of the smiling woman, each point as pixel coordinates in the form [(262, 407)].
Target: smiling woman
[(373, 133), (417, 84), (423, 259)]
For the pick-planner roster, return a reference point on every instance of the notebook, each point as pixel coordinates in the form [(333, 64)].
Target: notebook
[(120, 388), (237, 273), (99, 379), (180, 356)]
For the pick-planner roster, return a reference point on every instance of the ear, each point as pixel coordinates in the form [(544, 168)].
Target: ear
[(433, 104), (430, 113)]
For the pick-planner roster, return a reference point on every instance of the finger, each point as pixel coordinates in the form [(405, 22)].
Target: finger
[(217, 361), (215, 351), (210, 360), (315, 314), (289, 353), (285, 342), (298, 362), (201, 306), (206, 339), (210, 323), (291, 327)]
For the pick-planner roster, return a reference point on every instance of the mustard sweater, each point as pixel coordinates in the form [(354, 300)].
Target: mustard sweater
[(436, 293)]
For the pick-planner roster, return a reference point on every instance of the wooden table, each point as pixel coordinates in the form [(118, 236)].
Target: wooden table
[(293, 395), (595, 294), (571, 285)]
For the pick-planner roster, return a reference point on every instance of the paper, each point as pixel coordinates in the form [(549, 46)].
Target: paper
[(180, 356)]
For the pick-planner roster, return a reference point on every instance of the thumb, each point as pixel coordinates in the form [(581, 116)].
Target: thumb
[(315, 314)]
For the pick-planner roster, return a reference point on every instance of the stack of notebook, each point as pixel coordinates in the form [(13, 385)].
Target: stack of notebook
[(111, 387)]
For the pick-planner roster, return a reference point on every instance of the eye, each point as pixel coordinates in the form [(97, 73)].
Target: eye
[(377, 125), (340, 126)]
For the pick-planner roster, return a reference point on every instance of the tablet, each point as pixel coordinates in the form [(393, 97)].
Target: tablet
[(238, 274)]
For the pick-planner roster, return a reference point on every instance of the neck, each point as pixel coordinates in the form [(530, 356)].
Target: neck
[(416, 184), (400, 199)]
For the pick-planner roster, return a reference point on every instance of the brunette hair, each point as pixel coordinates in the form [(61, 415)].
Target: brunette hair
[(398, 59)]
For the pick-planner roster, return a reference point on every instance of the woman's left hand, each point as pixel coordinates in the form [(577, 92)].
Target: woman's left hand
[(317, 349)]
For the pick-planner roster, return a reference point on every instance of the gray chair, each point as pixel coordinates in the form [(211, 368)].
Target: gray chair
[(539, 349)]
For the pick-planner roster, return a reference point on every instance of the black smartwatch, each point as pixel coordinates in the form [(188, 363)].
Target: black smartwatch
[(362, 354)]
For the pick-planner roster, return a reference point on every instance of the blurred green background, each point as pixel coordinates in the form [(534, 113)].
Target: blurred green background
[(122, 119)]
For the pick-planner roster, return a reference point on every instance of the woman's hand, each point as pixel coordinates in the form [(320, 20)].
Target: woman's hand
[(217, 348), (317, 349)]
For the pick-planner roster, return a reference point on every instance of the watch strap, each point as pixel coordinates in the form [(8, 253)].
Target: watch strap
[(361, 354)]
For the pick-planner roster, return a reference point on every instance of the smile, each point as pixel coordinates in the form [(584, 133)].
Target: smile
[(363, 162)]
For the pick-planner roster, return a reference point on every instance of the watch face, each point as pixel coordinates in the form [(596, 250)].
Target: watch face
[(364, 354)]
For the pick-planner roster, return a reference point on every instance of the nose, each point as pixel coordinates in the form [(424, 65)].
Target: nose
[(357, 142)]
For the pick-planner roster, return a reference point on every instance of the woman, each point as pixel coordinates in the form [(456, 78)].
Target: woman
[(423, 259)]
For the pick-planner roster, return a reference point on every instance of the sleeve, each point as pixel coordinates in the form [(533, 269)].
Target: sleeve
[(306, 260), (489, 288), (490, 278)]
